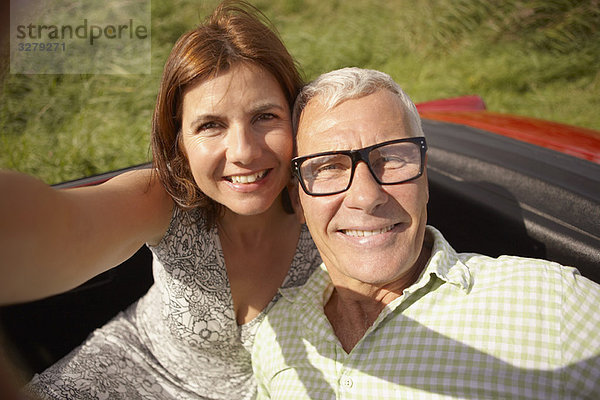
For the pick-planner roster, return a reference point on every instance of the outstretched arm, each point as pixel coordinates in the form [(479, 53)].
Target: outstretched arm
[(53, 240)]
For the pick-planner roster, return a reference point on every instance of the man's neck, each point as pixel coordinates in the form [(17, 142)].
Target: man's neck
[(351, 316), (351, 311)]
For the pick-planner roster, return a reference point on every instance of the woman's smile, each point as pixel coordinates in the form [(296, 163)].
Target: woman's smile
[(250, 178)]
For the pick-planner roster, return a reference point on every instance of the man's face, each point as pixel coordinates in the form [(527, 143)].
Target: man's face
[(370, 234)]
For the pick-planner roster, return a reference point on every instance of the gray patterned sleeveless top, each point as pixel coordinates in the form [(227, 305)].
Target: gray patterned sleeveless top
[(188, 318)]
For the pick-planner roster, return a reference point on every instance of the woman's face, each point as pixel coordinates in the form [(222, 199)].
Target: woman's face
[(236, 132)]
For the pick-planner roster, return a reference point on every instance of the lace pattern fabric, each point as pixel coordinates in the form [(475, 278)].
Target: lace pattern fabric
[(181, 340)]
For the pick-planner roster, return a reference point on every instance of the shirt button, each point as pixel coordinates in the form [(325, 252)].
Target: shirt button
[(347, 382)]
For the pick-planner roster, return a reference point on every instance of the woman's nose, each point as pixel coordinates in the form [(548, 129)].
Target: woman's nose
[(243, 145)]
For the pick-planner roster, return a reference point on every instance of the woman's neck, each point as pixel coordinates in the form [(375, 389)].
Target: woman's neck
[(253, 229), (258, 252)]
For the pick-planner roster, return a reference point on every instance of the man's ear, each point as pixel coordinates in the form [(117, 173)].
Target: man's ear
[(293, 188)]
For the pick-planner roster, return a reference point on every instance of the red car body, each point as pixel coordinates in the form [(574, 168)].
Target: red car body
[(471, 111)]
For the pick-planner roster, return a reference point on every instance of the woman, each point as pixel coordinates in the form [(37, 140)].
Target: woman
[(223, 238)]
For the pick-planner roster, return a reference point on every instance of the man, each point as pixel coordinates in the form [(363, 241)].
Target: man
[(395, 312)]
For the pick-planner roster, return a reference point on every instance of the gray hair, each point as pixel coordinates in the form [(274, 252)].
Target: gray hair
[(344, 84)]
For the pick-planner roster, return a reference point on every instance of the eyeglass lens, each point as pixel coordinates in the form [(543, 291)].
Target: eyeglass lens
[(389, 164)]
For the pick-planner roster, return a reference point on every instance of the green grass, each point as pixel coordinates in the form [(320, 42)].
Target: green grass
[(535, 58)]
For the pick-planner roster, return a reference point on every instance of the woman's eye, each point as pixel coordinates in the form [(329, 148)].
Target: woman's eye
[(208, 128), (266, 117), (208, 125)]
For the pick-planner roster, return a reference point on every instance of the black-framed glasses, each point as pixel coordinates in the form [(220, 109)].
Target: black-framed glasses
[(390, 163)]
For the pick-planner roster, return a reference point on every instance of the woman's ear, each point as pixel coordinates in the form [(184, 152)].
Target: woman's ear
[(293, 188)]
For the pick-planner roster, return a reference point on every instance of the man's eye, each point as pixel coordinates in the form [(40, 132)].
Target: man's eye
[(389, 161), (328, 170), (329, 167), (394, 160)]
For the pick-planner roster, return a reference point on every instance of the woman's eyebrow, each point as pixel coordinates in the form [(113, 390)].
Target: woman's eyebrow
[(202, 118), (256, 109), (266, 106)]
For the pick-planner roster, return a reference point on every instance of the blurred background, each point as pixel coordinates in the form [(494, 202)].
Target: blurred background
[(527, 57)]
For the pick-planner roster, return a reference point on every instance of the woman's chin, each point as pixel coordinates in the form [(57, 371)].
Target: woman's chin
[(250, 208)]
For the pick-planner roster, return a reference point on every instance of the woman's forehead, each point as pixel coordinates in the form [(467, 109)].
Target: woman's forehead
[(238, 86)]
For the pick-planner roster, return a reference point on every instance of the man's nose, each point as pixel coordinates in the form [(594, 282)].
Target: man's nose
[(243, 145), (364, 192)]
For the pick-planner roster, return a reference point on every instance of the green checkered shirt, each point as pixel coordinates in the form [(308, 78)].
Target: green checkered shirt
[(471, 327)]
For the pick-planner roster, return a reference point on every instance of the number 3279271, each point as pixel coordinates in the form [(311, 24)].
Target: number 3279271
[(34, 46)]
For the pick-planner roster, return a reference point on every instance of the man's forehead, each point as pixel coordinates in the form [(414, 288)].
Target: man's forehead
[(370, 119)]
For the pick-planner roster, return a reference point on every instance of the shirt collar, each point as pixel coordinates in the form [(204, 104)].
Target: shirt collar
[(443, 263), (309, 302), (316, 290)]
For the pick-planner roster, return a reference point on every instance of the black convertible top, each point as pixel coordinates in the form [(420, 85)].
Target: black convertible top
[(495, 195)]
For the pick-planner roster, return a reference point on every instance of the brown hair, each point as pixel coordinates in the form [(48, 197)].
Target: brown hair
[(236, 32)]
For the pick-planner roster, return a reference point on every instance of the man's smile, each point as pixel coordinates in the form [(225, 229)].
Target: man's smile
[(365, 233)]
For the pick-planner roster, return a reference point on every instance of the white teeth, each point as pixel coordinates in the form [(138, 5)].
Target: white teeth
[(247, 178), (357, 233)]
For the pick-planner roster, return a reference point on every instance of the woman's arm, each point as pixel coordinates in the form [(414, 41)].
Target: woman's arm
[(53, 240)]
